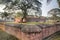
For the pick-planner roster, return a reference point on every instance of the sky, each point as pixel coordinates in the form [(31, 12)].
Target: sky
[(45, 8), (1, 7)]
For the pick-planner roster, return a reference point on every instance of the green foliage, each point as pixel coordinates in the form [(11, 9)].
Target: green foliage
[(24, 5), (19, 14), (55, 13), (4, 1), (5, 14)]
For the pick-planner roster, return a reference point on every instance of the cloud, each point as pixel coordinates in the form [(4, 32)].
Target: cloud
[(2, 7)]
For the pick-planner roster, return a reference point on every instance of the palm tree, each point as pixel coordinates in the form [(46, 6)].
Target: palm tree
[(55, 13)]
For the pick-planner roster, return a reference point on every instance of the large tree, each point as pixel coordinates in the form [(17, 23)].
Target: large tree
[(24, 5), (55, 13), (58, 2)]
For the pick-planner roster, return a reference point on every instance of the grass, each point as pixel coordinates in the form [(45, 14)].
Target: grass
[(5, 36), (56, 37), (32, 23)]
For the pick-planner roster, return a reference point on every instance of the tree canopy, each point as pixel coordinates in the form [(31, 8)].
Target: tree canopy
[(55, 13), (58, 2), (24, 5)]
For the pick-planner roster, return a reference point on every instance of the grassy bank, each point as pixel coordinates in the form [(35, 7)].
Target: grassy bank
[(32, 23), (5, 36), (54, 37)]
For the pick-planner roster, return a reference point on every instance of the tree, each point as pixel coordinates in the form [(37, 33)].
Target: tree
[(24, 5), (55, 13), (4, 1), (58, 2), (4, 15)]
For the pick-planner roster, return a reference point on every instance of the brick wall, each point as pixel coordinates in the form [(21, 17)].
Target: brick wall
[(32, 36), (35, 19)]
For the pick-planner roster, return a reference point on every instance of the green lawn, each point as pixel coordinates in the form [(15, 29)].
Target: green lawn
[(5, 36), (32, 23)]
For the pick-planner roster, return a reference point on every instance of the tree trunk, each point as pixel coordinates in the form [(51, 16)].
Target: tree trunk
[(24, 17)]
